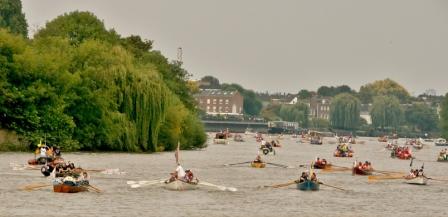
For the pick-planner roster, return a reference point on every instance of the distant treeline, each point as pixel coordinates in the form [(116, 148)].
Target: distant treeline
[(83, 87)]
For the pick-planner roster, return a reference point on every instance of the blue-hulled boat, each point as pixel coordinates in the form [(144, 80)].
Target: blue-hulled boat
[(308, 186)]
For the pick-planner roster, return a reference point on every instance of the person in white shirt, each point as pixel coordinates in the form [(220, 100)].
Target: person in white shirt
[(43, 152), (180, 172)]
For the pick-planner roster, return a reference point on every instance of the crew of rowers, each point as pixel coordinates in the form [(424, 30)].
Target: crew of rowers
[(364, 166), (44, 154), (306, 176), (258, 159), (443, 155), (321, 161), (404, 152), (415, 173), (343, 150), (182, 175), (66, 173)]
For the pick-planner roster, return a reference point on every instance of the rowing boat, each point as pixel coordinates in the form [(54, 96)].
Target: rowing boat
[(321, 166), (258, 164), (419, 180), (64, 188), (221, 141), (308, 185), (178, 185), (362, 172)]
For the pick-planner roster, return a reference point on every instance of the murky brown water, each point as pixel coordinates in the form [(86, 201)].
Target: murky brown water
[(393, 198)]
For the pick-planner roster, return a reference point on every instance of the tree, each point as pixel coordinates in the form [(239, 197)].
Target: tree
[(304, 94), (12, 18), (345, 111), (444, 117), (298, 112), (77, 27), (423, 117), (319, 123), (385, 87), (386, 112), (209, 82)]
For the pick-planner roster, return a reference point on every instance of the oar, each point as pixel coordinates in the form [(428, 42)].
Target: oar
[(97, 190), (237, 163), (138, 184), (279, 165), (220, 187), (331, 186), (281, 185), (388, 172), (32, 187), (440, 180), (385, 177)]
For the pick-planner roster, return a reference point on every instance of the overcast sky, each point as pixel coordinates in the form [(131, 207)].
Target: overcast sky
[(284, 45)]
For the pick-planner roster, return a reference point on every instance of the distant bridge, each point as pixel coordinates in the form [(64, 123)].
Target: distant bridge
[(234, 126)]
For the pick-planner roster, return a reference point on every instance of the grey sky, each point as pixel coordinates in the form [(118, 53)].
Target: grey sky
[(287, 45)]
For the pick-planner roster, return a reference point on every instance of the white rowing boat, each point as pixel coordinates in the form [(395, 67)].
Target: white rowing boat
[(178, 185), (420, 180)]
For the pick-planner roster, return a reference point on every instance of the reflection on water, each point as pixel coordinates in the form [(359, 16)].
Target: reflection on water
[(364, 199)]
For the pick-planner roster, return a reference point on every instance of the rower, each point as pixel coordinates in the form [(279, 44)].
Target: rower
[(180, 172), (313, 177), (303, 177), (258, 159)]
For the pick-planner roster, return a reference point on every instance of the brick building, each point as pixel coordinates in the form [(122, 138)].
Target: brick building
[(320, 108), (215, 101)]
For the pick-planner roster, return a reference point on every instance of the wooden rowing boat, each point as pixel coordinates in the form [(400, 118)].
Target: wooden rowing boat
[(258, 164), (64, 188), (178, 185), (308, 185), (419, 180), (363, 172), (343, 154), (321, 166), (221, 141)]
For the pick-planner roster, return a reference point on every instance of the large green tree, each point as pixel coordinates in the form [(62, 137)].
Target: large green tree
[(422, 117), (82, 87), (444, 116), (385, 87), (298, 112), (386, 112), (345, 111), (12, 18)]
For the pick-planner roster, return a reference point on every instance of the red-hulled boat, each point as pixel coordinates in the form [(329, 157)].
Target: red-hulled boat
[(361, 171), (64, 188)]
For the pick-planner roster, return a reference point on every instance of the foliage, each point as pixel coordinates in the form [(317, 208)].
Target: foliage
[(345, 111), (294, 113), (319, 123), (78, 86), (422, 117), (304, 94), (209, 82), (385, 87), (444, 117), (386, 112), (333, 91), (12, 18)]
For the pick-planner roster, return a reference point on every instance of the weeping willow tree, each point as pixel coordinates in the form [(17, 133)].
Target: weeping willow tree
[(345, 111), (386, 112)]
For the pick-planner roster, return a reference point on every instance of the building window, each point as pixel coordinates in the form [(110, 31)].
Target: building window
[(214, 101), (220, 101), (208, 108), (214, 108), (227, 101), (200, 101), (208, 101)]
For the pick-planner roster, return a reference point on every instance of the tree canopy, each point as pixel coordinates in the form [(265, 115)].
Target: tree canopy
[(82, 87), (385, 87), (386, 112), (444, 117), (333, 91), (422, 117), (345, 111), (12, 18)]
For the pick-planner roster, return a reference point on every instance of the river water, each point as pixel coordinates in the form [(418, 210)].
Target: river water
[(392, 197)]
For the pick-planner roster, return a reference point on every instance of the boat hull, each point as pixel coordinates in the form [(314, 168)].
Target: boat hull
[(258, 165), (345, 154), (361, 172), (308, 186), (178, 185), (321, 166), (221, 141), (417, 181), (63, 188)]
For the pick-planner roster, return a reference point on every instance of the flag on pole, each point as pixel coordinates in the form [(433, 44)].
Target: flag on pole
[(176, 154)]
